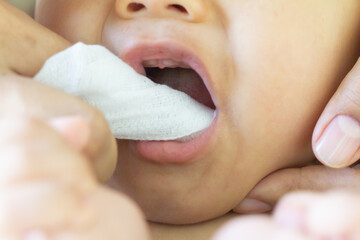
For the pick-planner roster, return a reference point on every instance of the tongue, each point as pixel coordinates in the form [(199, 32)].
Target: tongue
[(184, 80)]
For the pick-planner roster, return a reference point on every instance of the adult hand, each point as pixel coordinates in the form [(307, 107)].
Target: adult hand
[(301, 216), (336, 138), (79, 123), (336, 143), (25, 46), (48, 191)]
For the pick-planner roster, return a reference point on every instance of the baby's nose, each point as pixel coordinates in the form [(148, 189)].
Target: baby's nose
[(188, 10)]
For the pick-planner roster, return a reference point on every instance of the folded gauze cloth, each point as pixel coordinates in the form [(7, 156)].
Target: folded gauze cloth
[(134, 106)]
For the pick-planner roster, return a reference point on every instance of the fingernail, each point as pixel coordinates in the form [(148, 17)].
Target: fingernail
[(74, 128), (250, 205), (339, 142)]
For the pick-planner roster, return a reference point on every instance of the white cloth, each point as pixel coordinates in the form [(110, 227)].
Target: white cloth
[(135, 107)]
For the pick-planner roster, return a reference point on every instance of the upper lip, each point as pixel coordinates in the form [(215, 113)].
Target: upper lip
[(138, 52)]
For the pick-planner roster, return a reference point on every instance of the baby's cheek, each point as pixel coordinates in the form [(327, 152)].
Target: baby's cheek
[(273, 119)]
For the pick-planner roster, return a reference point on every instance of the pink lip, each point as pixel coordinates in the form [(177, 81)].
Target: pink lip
[(173, 151), (169, 151)]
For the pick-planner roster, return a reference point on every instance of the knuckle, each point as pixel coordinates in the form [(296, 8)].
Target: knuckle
[(28, 152), (19, 165), (16, 128)]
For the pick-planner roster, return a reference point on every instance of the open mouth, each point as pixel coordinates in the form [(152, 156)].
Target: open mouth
[(173, 65), (179, 76)]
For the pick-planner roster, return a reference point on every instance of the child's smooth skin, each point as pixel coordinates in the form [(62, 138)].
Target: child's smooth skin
[(273, 65)]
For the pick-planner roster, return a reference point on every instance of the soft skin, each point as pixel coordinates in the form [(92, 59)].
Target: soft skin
[(53, 149), (63, 198), (273, 67), (25, 46), (302, 215)]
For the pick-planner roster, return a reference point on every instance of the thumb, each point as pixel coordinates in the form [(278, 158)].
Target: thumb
[(318, 178), (336, 138)]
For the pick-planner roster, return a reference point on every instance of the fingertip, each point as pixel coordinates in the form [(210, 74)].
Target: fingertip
[(343, 105), (74, 129), (338, 144)]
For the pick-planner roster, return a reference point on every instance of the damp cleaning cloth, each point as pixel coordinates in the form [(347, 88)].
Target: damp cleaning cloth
[(135, 107)]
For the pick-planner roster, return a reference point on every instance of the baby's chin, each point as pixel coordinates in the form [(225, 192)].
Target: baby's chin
[(209, 186), (178, 194)]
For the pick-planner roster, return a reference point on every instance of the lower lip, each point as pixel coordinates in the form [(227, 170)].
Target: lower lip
[(173, 151)]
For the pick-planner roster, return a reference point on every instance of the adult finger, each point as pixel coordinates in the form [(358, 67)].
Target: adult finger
[(39, 204), (330, 215), (256, 228), (47, 190), (103, 214), (24, 97), (43, 180), (318, 178), (25, 44), (25, 47), (31, 151), (336, 138), (116, 217)]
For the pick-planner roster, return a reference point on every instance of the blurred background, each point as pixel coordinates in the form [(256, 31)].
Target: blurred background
[(26, 5)]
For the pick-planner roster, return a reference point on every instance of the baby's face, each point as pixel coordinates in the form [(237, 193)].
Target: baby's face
[(270, 68)]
